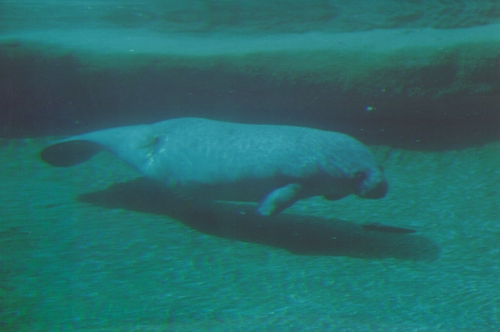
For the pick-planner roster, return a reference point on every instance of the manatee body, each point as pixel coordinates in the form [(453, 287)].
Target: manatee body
[(276, 165)]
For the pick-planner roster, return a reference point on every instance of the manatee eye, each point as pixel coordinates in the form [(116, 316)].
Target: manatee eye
[(359, 177)]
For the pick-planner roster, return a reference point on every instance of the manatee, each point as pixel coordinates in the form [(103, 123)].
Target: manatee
[(271, 164)]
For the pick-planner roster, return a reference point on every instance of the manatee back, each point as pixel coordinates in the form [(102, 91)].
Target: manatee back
[(205, 151)]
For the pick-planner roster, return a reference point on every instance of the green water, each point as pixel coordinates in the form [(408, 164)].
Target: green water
[(96, 247)]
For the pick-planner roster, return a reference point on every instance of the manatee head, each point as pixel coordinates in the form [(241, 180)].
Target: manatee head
[(371, 183)]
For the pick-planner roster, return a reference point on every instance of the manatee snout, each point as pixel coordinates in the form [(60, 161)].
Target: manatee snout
[(377, 191), (373, 186)]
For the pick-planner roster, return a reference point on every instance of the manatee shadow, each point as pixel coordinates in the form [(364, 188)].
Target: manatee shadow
[(305, 235)]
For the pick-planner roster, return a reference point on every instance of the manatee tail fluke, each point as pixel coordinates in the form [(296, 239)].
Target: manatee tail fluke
[(69, 153)]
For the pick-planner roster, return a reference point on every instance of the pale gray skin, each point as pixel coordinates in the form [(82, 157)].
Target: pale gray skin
[(276, 165)]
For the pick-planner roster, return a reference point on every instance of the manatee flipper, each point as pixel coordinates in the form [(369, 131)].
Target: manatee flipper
[(69, 153), (279, 199)]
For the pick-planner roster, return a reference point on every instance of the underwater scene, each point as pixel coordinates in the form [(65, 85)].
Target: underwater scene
[(250, 165)]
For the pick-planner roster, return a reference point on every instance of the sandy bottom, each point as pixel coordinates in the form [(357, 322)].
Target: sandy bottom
[(92, 248)]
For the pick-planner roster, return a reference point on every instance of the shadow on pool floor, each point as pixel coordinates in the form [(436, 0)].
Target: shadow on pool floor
[(304, 235)]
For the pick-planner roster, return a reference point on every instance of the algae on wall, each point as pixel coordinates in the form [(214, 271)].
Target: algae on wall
[(383, 86)]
